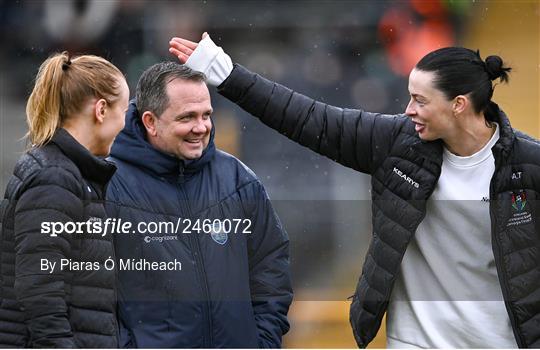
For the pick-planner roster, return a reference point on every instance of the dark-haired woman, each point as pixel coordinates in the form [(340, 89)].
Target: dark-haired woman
[(55, 290), (455, 252)]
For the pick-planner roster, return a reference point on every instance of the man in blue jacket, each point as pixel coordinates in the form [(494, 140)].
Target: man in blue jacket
[(221, 277)]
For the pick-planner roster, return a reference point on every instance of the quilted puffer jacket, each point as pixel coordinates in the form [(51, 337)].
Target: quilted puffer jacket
[(72, 306), (387, 147)]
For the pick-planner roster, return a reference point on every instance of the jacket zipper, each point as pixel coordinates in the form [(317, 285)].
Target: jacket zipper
[(497, 251), (381, 313), (194, 242), (116, 269)]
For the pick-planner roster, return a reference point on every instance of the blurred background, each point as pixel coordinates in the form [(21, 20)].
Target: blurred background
[(355, 54)]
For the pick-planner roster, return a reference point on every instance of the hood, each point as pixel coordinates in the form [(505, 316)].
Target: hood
[(131, 146)]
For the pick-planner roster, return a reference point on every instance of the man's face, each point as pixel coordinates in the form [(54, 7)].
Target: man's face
[(183, 129), (429, 108)]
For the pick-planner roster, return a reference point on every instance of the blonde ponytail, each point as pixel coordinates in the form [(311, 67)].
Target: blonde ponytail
[(43, 107), (62, 86)]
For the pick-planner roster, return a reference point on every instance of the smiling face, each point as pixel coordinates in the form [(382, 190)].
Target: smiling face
[(183, 129), (429, 108)]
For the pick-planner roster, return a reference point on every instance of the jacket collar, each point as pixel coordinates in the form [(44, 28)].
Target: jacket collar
[(132, 147), (90, 166), (503, 147)]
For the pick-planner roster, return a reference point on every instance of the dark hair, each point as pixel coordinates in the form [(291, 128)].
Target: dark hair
[(461, 71), (151, 93)]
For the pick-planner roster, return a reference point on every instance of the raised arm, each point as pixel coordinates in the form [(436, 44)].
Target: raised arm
[(352, 137)]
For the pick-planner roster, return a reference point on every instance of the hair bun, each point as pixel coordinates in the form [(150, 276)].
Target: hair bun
[(495, 68)]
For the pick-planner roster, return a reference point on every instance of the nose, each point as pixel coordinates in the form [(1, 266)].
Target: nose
[(410, 111), (200, 127)]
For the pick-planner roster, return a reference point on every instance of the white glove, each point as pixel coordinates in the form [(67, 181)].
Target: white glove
[(211, 60)]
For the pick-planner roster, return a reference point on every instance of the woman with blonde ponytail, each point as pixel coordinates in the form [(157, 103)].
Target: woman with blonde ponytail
[(55, 290)]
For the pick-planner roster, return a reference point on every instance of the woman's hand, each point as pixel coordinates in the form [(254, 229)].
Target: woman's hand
[(205, 57), (183, 48)]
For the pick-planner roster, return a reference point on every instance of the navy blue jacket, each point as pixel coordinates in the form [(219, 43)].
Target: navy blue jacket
[(233, 290)]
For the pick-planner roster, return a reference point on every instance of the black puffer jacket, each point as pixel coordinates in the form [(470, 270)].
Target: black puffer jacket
[(71, 307), (378, 145)]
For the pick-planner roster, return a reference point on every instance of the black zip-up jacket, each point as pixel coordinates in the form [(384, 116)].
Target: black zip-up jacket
[(377, 144), (73, 306)]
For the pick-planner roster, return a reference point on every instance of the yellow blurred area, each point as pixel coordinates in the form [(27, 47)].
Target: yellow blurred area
[(511, 29), (324, 324)]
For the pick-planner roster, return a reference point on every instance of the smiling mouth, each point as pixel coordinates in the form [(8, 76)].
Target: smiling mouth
[(419, 127), (193, 142)]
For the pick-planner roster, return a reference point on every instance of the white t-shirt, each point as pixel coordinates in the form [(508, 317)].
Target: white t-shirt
[(448, 294)]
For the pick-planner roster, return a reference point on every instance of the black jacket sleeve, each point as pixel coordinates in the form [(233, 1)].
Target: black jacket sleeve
[(49, 196), (269, 273), (351, 137)]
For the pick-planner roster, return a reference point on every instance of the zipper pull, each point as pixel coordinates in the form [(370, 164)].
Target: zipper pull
[(180, 178)]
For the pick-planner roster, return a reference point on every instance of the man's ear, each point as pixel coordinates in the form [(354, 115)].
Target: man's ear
[(100, 107), (461, 103), (149, 121)]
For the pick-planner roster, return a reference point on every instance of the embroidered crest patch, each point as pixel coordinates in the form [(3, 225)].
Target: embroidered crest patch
[(519, 200), (218, 234), (520, 215)]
